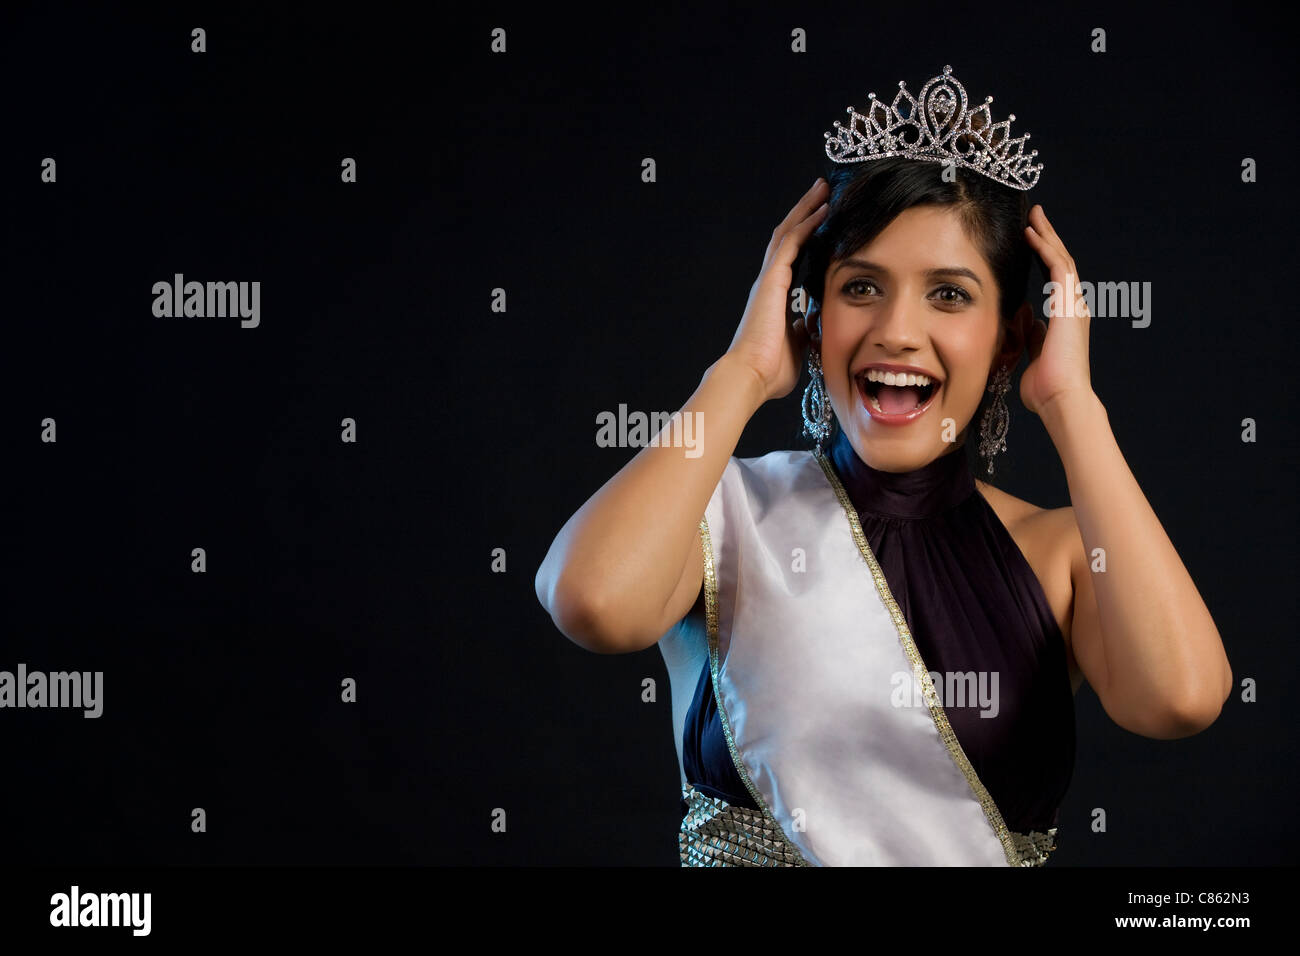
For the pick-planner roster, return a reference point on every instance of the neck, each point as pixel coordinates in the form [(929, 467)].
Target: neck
[(933, 488)]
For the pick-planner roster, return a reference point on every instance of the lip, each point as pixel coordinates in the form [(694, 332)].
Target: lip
[(903, 418)]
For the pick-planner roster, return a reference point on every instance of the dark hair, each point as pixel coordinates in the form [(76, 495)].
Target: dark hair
[(867, 197)]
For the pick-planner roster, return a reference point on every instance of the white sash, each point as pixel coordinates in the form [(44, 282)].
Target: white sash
[(805, 667)]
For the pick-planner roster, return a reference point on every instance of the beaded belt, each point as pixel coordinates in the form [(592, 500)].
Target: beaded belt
[(717, 833)]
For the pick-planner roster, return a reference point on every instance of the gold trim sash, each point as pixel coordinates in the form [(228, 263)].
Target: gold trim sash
[(882, 797)]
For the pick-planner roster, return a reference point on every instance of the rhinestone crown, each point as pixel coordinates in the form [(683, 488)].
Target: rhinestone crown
[(936, 127)]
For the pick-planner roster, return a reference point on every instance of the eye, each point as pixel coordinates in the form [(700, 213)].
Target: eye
[(854, 283), (961, 298)]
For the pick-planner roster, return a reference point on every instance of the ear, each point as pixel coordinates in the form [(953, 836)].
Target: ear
[(813, 321), (1016, 335)]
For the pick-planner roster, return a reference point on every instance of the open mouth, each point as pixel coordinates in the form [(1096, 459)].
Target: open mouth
[(906, 396)]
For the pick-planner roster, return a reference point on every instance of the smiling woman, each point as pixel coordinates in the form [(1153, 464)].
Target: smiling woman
[(908, 316), (792, 595)]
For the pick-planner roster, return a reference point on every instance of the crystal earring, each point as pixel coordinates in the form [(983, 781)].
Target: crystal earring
[(816, 404), (996, 419)]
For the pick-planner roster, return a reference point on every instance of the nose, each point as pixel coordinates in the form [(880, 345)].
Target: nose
[(899, 326)]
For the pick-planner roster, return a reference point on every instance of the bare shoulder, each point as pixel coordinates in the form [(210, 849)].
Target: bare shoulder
[(1052, 527), (1010, 509)]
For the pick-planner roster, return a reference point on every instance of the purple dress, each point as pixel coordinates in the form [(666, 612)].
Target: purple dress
[(972, 603)]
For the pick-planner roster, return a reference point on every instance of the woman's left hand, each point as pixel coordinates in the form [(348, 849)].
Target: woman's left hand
[(1058, 353)]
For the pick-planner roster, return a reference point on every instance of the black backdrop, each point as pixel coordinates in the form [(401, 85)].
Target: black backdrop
[(476, 429)]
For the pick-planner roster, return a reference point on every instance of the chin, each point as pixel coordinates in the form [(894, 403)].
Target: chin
[(894, 452)]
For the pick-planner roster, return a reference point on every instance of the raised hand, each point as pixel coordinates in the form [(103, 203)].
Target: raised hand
[(764, 342), (1058, 352)]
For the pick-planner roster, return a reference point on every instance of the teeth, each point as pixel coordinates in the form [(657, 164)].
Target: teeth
[(896, 378)]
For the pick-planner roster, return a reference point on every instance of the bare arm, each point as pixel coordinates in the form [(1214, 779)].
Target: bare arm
[(628, 564), (1141, 633)]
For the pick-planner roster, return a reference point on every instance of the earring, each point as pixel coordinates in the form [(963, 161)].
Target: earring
[(816, 404), (996, 419)]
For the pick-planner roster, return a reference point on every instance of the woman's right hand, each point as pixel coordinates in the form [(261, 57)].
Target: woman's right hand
[(764, 343)]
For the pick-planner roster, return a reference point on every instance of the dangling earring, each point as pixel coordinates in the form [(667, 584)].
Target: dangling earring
[(816, 404), (996, 419)]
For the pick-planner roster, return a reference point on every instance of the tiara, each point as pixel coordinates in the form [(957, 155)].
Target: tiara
[(936, 128)]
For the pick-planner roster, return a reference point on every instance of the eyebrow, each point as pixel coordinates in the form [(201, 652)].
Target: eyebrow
[(929, 273)]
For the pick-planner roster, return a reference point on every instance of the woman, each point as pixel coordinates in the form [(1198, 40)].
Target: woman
[(872, 654)]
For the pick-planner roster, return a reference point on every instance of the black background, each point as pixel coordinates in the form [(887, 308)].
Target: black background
[(476, 429)]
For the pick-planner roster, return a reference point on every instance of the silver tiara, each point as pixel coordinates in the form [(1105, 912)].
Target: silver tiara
[(936, 127)]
